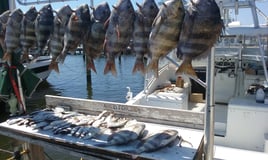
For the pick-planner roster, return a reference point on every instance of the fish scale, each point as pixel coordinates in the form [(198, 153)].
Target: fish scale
[(3, 21)]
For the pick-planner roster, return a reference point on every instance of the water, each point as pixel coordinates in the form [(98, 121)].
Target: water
[(72, 81)]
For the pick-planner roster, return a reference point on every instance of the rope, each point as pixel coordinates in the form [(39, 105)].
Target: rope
[(17, 155)]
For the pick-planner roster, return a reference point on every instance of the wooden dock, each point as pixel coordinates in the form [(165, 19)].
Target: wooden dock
[(188, 123)]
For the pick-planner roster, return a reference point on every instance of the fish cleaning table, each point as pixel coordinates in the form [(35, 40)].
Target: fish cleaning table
[(187, 148)]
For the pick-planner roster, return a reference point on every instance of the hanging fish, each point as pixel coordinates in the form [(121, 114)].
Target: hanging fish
[(139, 43), (76, 30), (201, 28), (43, 27), (156, 141), (12, 35), (56, 41), (165, 32), (146, 13), (102, 12), (3, 22), (27, 36), (119, 32), (93, 43)]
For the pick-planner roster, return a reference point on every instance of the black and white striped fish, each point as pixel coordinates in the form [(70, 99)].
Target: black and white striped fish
[(156, 141), (43, 27), (165, 32), (56, 41), (119, 33), (27, 36), (12, 35), (77, 28), (201, 28)]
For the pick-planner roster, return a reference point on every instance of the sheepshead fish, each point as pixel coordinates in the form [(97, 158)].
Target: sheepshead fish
[(12, 35), (93, 43), (139, 43), (118, 33), (3, 21), (156, 141), (201, 28), (142, 28), (43, 27), (27, 36), (56, 41), (125, 135), (76, 29), (165, 32), (102, 12)]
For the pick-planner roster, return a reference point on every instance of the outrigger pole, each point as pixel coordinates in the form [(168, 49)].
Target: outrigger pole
[(210, 108)]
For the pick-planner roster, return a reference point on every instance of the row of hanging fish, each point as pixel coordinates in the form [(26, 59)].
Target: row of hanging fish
[(152, 31), (106, 129)]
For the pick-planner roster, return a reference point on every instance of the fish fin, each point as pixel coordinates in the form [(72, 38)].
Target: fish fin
[(139, 66), (186, 68), (91, 65), (54, 66), (153, 66), (110, 67), (7, 57)]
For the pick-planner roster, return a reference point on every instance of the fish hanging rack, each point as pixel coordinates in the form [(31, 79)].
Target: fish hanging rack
[(33, 2)]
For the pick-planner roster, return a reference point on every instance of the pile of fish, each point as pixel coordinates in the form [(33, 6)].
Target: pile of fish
[(151, 31), (104, 129)]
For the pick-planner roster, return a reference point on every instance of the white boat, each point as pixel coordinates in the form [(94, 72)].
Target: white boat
[(40, 66), (239, 122)]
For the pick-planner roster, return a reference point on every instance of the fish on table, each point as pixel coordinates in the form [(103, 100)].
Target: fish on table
[(165, 33), (27, 36), (12, 34), (201, 28), (119, 32), (156, 141)]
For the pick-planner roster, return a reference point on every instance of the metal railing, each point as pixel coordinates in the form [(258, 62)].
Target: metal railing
[(33, 2)]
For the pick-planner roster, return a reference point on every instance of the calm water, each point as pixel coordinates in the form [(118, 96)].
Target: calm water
[(72, 81)]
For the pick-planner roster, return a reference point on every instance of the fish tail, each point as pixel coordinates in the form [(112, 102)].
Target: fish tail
[(186, 68), (153, 66), (54, 66), (139, 66), (91, 65), (7, 57), (110, 67)]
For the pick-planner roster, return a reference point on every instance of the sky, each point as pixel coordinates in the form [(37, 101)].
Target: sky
[(244, 17)]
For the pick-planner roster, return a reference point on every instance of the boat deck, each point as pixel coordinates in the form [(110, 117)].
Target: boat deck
[(186, 148)]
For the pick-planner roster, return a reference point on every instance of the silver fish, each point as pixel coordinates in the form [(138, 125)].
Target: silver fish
[(76, 29), (27, 36), (165, 32), (43, 27), (118, 33), (56, 41), (201, 28), (156, 141), (12, 35)]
